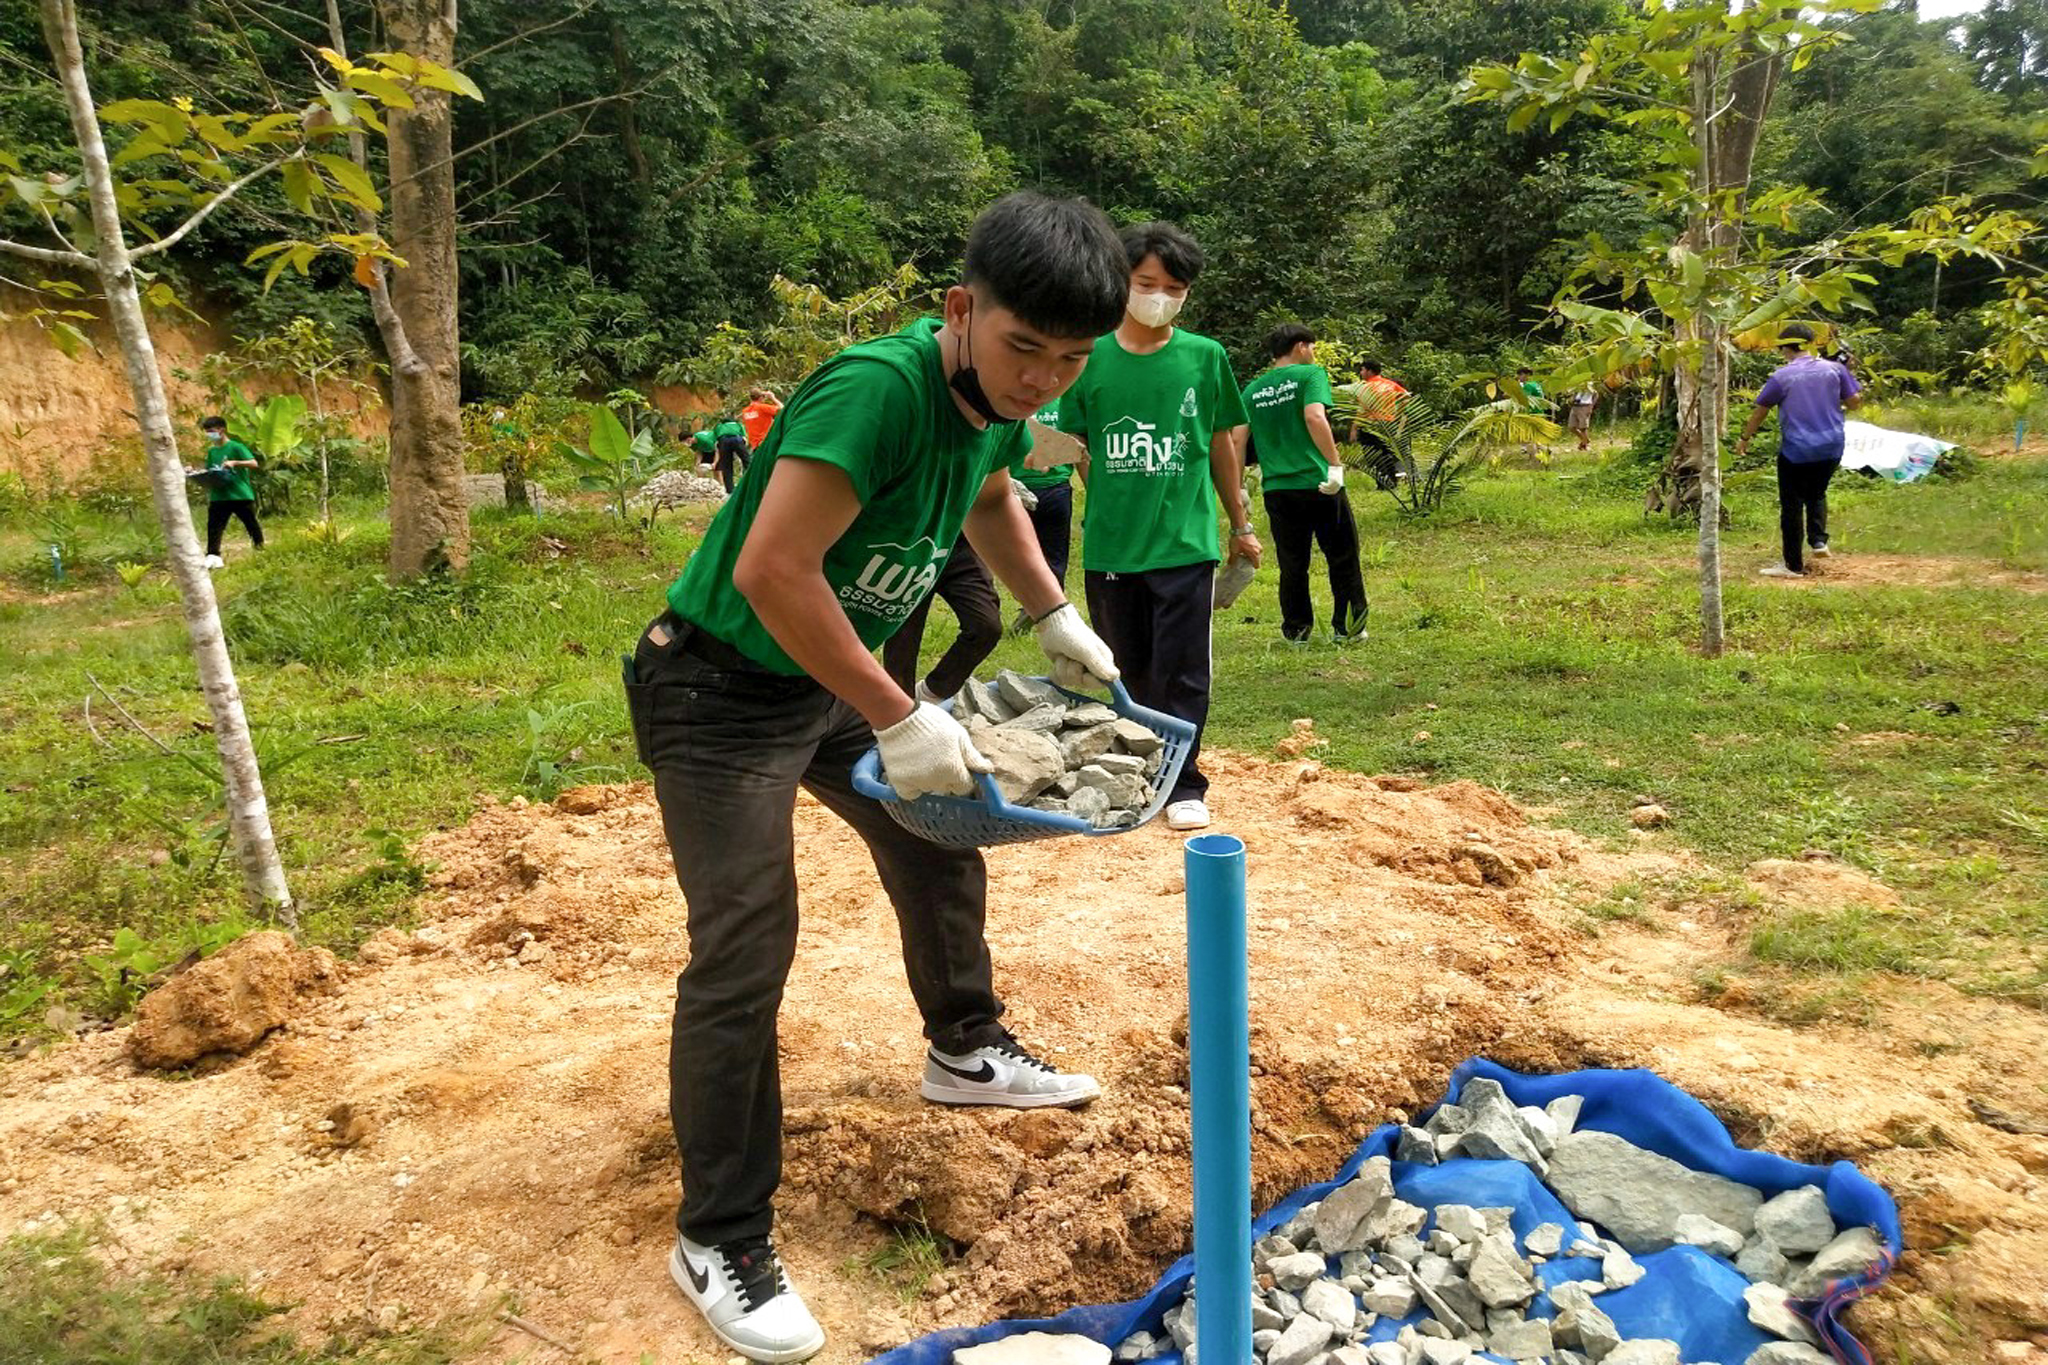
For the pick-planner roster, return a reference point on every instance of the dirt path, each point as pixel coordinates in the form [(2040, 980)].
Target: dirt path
[(505, 1131)]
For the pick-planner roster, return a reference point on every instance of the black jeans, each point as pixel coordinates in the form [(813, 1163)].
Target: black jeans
[(1156, 623), (218, 515), (1803, 498), (730, 459), (1052, 521), (728, 748), (1302, 518), (965, 586)]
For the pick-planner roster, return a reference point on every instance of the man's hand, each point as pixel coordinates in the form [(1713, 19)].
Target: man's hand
[(1245, 545), (1335, 483), (928, 751), (1081, 661)]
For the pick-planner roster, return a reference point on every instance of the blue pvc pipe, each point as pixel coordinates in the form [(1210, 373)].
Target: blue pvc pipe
[(1219, 1065)]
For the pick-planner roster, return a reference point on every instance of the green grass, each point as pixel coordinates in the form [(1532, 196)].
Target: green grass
[(905, 1261), (60, 1303), (1540, 629)]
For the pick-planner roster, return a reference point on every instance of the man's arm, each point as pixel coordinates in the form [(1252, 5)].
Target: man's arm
[(1000, 532), (1749, 428), (1317, 417), (805, 508), (1226, 471)]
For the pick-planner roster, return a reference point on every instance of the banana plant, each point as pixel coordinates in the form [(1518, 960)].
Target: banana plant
[(615, 464), (1421, 455), (271, 429)]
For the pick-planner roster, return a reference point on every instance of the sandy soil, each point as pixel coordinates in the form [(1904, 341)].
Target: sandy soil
[(1860, 570), (460, 1128)]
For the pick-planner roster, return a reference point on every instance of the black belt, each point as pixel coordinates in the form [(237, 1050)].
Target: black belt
[(699, 643)]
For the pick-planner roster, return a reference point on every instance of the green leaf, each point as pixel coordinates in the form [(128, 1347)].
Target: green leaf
[(445, 78), (276, 268), (299, 184), (1519, 121), (9, 161), (154, 140), (353, 179), (69, 339), (386, 91), (608, 439)]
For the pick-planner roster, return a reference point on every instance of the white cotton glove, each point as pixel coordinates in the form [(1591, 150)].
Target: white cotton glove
[(928, 751), (1081, 662), (1335, 483)]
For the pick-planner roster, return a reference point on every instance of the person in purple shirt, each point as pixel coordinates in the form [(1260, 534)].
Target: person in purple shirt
[(1810, 395)]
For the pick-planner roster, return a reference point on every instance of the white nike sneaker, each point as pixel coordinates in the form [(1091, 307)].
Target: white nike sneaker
[(214, 562), (746, 1299), (1002, 1074), (1188, 815), (1780, 571), (1820, 551)]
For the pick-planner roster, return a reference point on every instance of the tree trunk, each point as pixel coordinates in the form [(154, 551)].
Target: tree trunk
[(429, 514), (248, 813), (513, 467)]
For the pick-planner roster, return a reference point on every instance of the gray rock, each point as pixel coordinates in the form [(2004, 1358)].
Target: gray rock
[(1564, 1112), (1638, 1195), (1285, 1304), (1265, 1319), (1387, 1353), (1497, 1134), (1445, 1352), (977, 700), (1643, 1351), (1398, 1218), (1137, 1346), (1081, 747), (1461, 1221), (1760, 1260), (1416, 1144), (1064, 785), (1134, 737), (1342, 1216), (1087, 713), (1390, 1298), (1440, 1308), (1448, 1118), (1499, 1277), (1298, 1228), (1304, 1340), (1618, 1269), (1296, 1271), (1797, 1221), (1847, 1254), (1696, 1230), (1580, 1324), (1021, 694), (1434, 1270), (1035, 1348), (1126, 764), (1265, 1339), (1459, 1296), (1179, 1321), (1355, 1265), (1025, 763), (1089, 804), (1050, 804), (1770, 1308), (1542, 1132), (1787, 1353), (1521, 1340), (1408, 1248), (1482, 1093), (1349, 1355), (1331, 1302), (1126, 791), (1545, 1239), (1267, 1247), (1042, 720)]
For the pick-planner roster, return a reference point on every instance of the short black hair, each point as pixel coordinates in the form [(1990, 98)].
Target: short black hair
[(1176, 250), (1370, 367), (1055, 263), (1795, 334), (1286, 337), (1523, 370), (214, 423)]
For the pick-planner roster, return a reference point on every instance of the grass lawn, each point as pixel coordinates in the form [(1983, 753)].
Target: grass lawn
[(1539, 630)]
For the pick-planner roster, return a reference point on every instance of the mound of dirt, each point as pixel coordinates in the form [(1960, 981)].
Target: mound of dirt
[(227, 1003), (480, 1109), (1818, 884)]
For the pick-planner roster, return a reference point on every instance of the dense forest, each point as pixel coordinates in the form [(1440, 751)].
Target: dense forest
[(640, 172)]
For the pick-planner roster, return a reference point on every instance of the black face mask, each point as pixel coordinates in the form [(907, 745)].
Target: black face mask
[(966, 381)]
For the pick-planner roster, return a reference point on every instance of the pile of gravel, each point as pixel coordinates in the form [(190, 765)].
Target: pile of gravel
[(1324, 1278), (1053, 752), (678, 488)]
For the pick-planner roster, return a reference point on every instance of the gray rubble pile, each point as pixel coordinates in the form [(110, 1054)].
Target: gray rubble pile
[(1325, 1278), (1053, 752), (679, 488)]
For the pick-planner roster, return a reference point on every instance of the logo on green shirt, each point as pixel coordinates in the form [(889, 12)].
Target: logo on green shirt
[(1134, 447), (892, 585)]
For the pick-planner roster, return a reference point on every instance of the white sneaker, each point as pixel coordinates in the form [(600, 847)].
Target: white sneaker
[(213, 562), (1188, 815), (926, 694), (1821, 552), (1002, 1074), (746, 1299), (1780, 571)]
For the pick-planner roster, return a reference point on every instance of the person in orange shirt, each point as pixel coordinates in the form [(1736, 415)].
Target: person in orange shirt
[(1378, 397), (758, 415)]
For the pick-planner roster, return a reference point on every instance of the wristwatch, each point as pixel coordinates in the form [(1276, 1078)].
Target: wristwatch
[(1237, 531)]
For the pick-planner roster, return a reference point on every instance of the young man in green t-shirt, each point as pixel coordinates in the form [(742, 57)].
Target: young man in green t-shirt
[(228, 494), (760, 678), (731, 452), (1303, 486), (1160, 413)]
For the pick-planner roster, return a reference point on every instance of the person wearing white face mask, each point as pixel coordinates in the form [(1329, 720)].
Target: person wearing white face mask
[(1162, 417)]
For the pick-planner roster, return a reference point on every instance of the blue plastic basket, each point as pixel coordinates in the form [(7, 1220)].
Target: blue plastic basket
[(978, 822)]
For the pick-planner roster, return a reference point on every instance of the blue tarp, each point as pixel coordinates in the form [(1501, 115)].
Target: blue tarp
[(1686, 1295)]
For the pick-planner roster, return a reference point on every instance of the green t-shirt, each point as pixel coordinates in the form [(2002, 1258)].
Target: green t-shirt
[(1532, 397), (1275, 401), (730, 427), (881, 412), (1147, 421), (235, 487), (1034, 479), (704, 442)]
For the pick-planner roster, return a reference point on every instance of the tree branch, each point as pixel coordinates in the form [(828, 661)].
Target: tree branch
[(571, 17), (206, 210), (47, 255)]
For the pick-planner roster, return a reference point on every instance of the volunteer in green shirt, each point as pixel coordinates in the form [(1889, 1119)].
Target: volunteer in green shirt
[(1052, 513), (1303, 487), (228, 494), (1532, 392), (704, 444), (760, 678), (731, 453), (1160, 412)]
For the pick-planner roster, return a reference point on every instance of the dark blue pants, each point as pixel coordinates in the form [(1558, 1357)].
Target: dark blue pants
[(1803, 506), (1156, 623), (1052, 521)]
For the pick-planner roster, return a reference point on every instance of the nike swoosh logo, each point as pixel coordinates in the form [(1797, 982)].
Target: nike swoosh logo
[(983, 1076), (700, 1280)]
